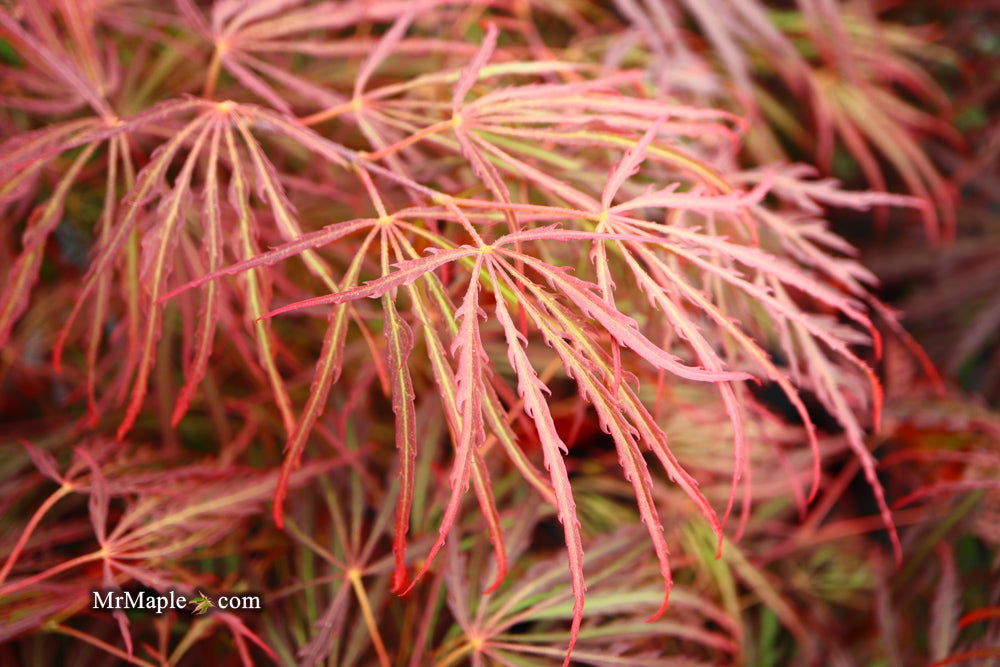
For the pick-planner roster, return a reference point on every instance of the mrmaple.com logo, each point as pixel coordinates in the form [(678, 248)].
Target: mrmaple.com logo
[(158, 603)]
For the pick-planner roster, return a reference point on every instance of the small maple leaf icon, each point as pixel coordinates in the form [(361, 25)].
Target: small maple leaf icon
[(202, 603)]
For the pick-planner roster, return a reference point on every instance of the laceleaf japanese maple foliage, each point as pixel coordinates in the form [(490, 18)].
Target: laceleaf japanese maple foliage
[(309, 202), (857, 78)]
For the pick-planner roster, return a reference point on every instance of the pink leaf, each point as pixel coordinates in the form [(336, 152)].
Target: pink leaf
[(385, 46), (407, 272), (44, 461), (628, 166), (622, 328), (399, 343), (531, 389), (471, 357), (471, 71), (315, 239), (99, 495)]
